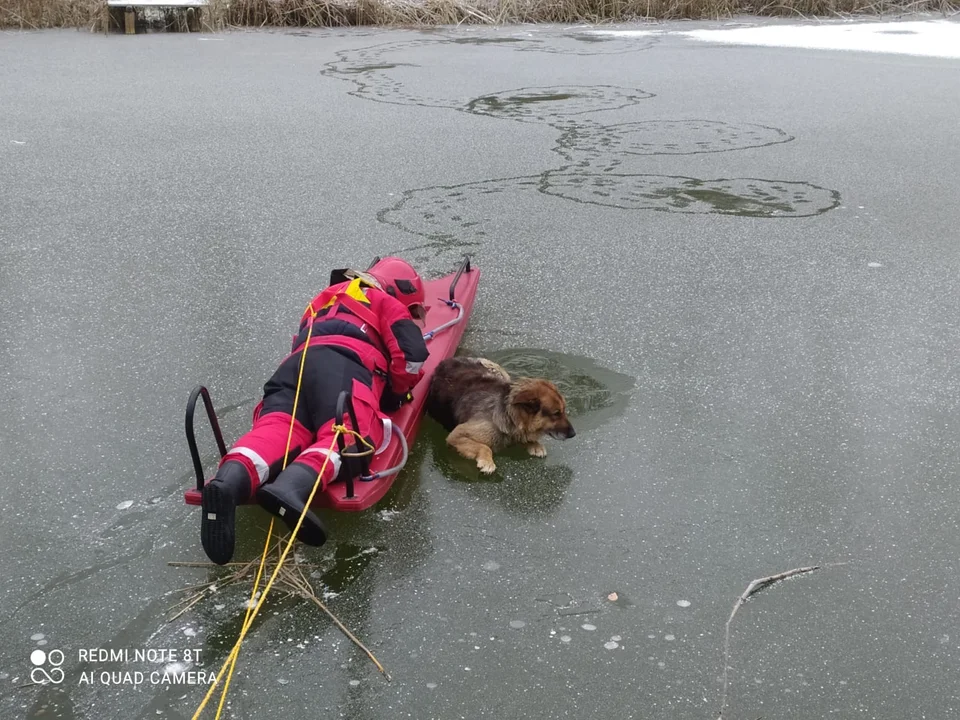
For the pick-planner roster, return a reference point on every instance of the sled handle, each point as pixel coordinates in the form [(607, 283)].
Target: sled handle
[(464, 267), (397, 468), (199, 391), (449, 323)]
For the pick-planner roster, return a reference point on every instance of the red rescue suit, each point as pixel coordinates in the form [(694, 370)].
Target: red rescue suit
[(360, 339)]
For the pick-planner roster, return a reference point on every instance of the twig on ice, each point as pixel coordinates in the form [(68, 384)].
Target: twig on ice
[(754, 587)]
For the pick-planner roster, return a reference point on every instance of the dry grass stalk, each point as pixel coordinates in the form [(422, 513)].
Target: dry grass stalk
[(37, 14), (34, 14), (290, 579), (299, 580)]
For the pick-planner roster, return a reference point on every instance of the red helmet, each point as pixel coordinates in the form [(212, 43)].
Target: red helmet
[(398, 278)]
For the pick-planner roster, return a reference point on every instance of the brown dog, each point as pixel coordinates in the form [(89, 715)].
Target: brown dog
[(484, 409)]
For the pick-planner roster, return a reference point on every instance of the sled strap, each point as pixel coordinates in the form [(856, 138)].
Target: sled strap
[(344, 407)]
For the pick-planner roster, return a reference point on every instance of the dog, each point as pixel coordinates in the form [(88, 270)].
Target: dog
[(483, 409)]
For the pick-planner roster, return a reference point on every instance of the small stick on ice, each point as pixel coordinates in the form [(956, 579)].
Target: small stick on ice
[(307, 592), (754, 587)]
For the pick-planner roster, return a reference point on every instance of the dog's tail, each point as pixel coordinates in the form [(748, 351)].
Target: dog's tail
[(494, 368)]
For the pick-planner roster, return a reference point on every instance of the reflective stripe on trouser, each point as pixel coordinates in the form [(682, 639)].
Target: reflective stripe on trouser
[(260, 450)]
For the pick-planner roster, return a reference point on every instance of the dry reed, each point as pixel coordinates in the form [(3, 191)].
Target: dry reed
[(35, 14), (292, 581)]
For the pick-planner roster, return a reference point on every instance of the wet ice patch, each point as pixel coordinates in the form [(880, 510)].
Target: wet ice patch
[(609, 148), (517, 624), (454, 217), (874, 264), (612, 645), (588, 627), (490, 565), (189, 632), (378, 72), (553, 103), (669, 638), (175, 668), (431, 686), (37, 636), (125, 504), (743, 197), (565, 638), (683, 603), (354, 683)]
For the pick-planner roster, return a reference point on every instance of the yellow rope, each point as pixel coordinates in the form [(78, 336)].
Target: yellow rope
[(231, 658), (253, 596), (296, 395), (344, 430), (252, 609)]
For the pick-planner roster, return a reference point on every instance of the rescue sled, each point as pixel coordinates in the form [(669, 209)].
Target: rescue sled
[(446, 320)]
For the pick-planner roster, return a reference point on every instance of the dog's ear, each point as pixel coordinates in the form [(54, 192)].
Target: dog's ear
[(528, 399)]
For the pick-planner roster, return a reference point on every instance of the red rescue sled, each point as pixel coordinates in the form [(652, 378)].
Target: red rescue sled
[(446, 319)]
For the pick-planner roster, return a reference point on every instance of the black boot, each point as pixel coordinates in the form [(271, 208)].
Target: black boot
[(221, 496), (286, 497)]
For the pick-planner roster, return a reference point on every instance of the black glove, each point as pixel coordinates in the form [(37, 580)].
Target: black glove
[(390, 401)]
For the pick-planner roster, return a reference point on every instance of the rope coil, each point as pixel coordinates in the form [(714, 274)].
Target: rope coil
[(344, 430)]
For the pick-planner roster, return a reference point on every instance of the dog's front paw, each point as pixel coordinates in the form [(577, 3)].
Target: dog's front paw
[(486, 466), (536, 449)]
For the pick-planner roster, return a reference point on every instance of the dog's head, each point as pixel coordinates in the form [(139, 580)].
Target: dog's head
[(538, 408)]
